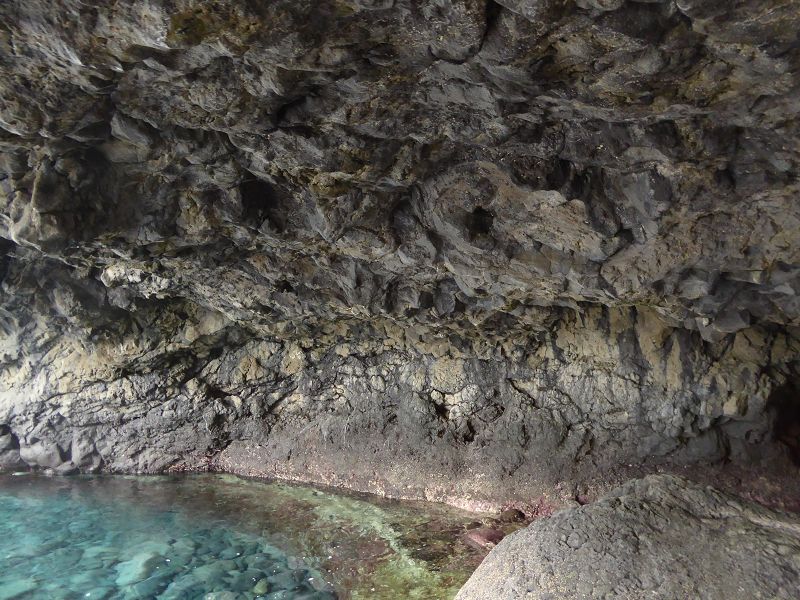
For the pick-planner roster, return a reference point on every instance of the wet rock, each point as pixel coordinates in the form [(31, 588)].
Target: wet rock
[(483, 537), (261, 587), (138, 568), (99, 593), (512, 515), (41, 454), (151, 587), (658, 537), (9, 450), (17, 588)]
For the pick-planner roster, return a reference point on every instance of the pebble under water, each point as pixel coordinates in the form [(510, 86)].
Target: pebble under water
[(223, 538)]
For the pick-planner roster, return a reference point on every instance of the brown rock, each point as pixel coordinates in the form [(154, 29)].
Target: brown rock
[(483, 537), (512, 515)]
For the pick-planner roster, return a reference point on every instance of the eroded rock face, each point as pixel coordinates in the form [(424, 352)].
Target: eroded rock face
[(453, 249), (657, 537)]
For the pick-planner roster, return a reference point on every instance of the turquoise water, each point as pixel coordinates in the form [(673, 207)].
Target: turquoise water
[(69, 541), (224, 538)]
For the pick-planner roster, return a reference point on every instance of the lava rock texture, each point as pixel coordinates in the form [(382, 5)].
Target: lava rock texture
[(455, 249), (660, 537)]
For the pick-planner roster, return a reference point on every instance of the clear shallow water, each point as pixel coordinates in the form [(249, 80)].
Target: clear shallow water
[(224, 538)]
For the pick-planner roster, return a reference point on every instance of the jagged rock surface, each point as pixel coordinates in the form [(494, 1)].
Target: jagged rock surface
[(435, 248), (658, 537)]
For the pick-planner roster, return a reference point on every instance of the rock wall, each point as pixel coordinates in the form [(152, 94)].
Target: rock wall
[(463, 250)]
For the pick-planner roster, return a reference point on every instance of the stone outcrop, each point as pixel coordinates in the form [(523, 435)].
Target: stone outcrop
[(455, 249), (657, 537)]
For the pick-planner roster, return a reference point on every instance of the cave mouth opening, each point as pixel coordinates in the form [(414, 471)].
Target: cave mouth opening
[(785, 404)]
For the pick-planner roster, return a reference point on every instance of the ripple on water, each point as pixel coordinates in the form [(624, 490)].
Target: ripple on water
[(222, 538)]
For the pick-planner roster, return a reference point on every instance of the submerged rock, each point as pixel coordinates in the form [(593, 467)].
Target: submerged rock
[(483, 537), (138, 568), (657, 537), (261, 587), (511, 515), (18, 588)]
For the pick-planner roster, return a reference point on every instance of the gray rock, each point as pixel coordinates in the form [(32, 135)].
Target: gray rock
[(657, 537), (41, 454), (456, 250), (9, 451)]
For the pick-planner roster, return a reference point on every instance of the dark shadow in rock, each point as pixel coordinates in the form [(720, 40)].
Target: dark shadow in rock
[(260, 203), (479, 222), (785, 402)]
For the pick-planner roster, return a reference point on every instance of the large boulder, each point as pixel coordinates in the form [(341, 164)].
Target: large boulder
[(657, 537)]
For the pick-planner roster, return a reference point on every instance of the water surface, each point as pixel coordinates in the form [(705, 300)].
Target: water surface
[(222, 537)]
